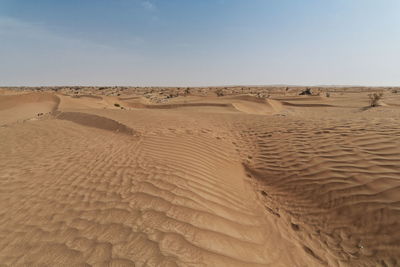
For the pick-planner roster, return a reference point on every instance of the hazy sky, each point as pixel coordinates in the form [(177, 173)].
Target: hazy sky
[(199, 42)]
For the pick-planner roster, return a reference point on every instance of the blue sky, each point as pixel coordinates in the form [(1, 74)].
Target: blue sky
[(207, 42)]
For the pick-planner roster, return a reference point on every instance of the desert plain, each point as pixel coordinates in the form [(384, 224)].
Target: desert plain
[(205, 176)]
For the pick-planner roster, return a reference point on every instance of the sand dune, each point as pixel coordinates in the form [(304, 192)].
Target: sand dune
[(11, 101), (21, 107), (94, 121), (197, 180), (180, 105)]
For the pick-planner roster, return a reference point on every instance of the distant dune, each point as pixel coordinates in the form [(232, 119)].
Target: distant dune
[(221, 176)]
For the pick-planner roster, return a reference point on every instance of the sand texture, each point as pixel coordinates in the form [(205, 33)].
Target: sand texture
[(234, 176)]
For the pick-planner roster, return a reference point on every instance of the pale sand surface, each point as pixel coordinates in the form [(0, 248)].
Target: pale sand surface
[(256, 177)]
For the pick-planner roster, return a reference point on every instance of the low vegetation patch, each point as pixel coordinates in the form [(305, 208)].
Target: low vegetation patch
[(307, 91), (374, 99), (219, 92)]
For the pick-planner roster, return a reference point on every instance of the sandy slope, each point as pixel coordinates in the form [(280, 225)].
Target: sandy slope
[(194, 181), (25, 106)]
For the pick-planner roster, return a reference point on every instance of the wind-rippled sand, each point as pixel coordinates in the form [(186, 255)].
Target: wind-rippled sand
[(97, 179)]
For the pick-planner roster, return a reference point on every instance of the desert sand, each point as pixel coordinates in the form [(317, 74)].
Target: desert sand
[(229, 176)]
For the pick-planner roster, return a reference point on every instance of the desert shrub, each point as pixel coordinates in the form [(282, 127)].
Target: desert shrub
[(219, 92), (172, 95), (187, 91), (374, 99), (117, 105), (328, 94), (307, 91)]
